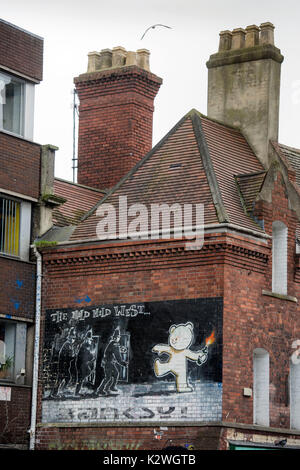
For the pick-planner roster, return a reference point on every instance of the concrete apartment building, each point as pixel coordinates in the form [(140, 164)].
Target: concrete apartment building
[(150, 340)]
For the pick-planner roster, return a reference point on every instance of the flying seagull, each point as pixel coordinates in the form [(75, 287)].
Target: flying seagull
[(154, 26)]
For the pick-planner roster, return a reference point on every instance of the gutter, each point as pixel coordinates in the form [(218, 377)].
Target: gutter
[(32, 429), (220, 228)]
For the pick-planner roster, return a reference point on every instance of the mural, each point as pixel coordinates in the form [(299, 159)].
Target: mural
[(180, 338), (114, 356), (150, 361)]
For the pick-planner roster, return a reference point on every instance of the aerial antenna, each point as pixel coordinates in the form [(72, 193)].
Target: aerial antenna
[(74, 159), (154, 26)]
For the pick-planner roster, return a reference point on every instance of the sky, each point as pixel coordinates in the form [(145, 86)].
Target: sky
[(73, 28)]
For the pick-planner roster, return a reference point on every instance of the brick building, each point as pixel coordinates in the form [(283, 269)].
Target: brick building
[(24, 215), (162, 338)]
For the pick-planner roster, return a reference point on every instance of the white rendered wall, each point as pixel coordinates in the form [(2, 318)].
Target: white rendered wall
[(29, 111), (25, 230), (295, 393), (279, 258), (261, 387)]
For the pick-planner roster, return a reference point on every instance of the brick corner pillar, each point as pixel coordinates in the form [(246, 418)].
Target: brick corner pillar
[(115, 115)]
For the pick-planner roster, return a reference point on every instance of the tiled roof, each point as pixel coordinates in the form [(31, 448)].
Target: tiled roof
[(249, 186), (298, 233), (195, 163), (79, 200), (293, 157), (231, 155)]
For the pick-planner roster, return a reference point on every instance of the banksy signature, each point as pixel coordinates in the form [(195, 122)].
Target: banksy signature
[(110, 413)]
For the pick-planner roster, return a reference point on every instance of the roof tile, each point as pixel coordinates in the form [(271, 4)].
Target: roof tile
[(175, 171), (79, 199)]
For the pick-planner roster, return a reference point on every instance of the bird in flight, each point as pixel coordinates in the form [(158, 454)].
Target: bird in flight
[(154, 26)]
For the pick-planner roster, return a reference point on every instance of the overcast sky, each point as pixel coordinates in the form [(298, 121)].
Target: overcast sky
[(72, 28)]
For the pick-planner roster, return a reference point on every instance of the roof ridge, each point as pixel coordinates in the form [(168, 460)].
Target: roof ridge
[(138, 165), (80, 185), (284, 159), (195, 117), (289, 147), (217, 121), (209, 169), (255, 173)]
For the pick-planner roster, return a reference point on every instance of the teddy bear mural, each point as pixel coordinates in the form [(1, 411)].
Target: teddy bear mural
[(181, 338)]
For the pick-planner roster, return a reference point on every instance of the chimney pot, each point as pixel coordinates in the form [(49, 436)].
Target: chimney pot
[(225, 41), (93, 61), (118, 56), (238, 38), (131, 58), (116, 115), (105, 61), (252, 36), (267, 33), (143, 59), (244, 86)]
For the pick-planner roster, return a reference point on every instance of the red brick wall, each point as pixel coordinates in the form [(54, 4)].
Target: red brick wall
[(15, 416), (20, 165), (233, 267), (21, 51), (115, 123), (17, 300), (213, 437), (118, 438), (253, 320), (17, 297), (163, 274)]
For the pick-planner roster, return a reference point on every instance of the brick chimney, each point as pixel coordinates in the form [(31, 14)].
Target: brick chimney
[(115, 115), (244, 84)]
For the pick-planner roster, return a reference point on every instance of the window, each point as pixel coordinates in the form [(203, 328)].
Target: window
[(7, 349), (12, 104), (279, 258), (14, 358), (9, 226), (261, 387), (15, 227)]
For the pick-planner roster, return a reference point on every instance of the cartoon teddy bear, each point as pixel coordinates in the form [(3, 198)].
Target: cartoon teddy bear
[(180, 339)]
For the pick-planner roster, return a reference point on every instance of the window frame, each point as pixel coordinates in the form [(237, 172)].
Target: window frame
[(7, 252), (22, 113), (25, 226), (11, 373), (21, 369)]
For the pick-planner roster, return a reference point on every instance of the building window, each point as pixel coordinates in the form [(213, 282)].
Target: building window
[(15, 227), (261, 387), (9, 226), (12, 104), (7, 350), (279, 258), (14, 357)]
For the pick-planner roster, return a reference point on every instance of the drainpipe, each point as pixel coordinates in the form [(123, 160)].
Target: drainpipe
[(36, 348)]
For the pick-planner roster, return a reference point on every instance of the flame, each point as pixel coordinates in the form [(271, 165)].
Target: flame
[(210, 339)]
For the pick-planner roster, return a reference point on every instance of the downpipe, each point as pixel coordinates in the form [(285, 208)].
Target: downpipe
[(32, 430)]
